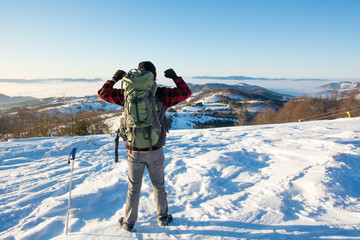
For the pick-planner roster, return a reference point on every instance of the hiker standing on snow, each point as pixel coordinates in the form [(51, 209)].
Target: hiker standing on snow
[(144, 132)]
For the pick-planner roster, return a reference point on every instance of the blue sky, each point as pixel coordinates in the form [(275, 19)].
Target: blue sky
[(257, 38)]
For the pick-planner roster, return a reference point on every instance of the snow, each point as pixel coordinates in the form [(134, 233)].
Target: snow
[(183, 121), (210, 99), (188, 116), (285, 181), (79, 104)]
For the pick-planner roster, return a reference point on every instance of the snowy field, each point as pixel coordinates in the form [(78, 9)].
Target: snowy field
[(286, 181)]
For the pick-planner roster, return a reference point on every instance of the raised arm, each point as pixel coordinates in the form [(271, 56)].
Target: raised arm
[(172, 96), (109, 94)]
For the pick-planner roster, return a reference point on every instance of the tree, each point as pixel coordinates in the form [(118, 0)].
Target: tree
[(265, 117), (80, 128)]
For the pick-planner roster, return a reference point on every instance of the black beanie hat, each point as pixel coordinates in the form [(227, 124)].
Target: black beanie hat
[(148, 66)]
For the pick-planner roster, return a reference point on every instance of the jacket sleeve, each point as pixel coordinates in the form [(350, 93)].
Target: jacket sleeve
[(172, 96), (111, 95)]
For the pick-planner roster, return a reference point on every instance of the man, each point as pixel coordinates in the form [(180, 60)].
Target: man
[(153, 158)]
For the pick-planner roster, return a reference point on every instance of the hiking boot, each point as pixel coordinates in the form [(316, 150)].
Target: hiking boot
[(164, 221), (125, 226)]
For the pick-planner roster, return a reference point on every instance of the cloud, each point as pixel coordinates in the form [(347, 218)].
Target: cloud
[(54, 87), (45, 80), (243, 78)]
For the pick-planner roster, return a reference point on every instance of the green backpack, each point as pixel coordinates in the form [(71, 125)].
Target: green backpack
[(141, 127)]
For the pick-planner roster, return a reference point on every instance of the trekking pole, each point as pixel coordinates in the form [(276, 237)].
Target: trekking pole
[(117, 145), (72, 154)]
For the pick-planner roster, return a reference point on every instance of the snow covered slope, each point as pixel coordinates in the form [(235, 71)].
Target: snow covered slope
[(342, 87), (287, 181)]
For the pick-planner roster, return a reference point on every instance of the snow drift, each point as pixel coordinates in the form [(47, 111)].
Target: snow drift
[(286, 181)]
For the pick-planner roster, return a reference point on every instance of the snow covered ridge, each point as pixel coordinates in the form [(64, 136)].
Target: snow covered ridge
[(342, 87), (285, 181), (212, 105), (246, 90), (243, 90), (220, 105)]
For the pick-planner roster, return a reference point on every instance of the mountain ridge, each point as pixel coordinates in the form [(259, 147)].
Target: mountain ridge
[(4, 99)]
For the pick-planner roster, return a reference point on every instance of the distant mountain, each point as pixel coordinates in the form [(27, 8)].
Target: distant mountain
[(255, 78), (246, 90), (9, 100), (229, 78)]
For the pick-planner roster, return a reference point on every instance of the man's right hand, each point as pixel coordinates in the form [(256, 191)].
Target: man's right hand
[(119, 75)]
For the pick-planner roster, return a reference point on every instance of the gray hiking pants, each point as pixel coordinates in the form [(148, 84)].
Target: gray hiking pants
[(154, 162)]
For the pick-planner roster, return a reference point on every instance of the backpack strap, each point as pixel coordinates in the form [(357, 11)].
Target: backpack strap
[(136, 101)]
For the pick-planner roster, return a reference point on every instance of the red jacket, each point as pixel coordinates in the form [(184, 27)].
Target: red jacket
[(169, 96)]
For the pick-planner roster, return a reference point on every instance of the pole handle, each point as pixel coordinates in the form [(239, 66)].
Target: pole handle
[(72, 154)]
